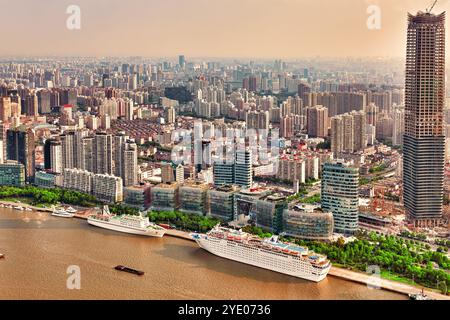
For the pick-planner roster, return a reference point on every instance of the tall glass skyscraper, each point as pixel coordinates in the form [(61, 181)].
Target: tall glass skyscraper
[(424, 139), (340, 195), (21, 147), (239, 172)]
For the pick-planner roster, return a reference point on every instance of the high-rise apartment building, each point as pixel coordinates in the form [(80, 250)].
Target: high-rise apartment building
[(5, 108), (424, 139), (348, 132), (53, 156), (31, 105), (130, 164), (399, 125), (107, 187), (68, 150), (103, 152), (317, 121)]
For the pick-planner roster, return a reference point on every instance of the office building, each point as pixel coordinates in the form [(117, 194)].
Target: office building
[(12, 173), (222, 202), (424, 139), (340, 195), (193, 198), (165, 197), (138, 196), (223, 173), (243, 174), (21, 147), (308, 222), (267, 212)]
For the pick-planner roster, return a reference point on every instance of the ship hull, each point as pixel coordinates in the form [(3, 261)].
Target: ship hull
[(63, 215), (124, 229), (285, 264)]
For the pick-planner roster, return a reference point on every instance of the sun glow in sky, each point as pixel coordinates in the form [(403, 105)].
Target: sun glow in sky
[(207, 28)]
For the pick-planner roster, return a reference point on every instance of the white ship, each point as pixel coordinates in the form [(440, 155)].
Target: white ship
[(126, 223), (60, 212), (269, 254), (71, 210)]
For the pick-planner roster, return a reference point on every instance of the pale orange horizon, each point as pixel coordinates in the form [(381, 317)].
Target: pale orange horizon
[(208, 28)]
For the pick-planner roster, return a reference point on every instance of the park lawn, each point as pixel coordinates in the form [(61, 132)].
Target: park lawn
[(385, 274)]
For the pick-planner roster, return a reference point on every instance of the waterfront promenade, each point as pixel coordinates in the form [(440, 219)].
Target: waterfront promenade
[(383, 283)]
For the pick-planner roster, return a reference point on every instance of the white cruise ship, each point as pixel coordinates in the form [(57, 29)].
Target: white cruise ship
[(269, 254), (126, 223)]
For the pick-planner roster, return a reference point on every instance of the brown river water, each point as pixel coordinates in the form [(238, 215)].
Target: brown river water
[(39, 248)]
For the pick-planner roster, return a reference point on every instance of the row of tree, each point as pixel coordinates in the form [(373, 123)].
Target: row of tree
[(397, 255), (184, 221), (52, 196)]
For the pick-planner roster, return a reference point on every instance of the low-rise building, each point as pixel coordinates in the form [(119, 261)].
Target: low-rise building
[(79, 180), (193, 198), (138, 196), (12, 173), (44, 179), (222, 202), (107, 188), (165, 197), (268, 212), (308, 222)]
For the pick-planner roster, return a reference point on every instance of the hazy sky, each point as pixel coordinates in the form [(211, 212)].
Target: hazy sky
[(207, 28)]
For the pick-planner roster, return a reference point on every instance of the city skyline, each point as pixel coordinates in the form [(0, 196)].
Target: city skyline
[(244, 29)]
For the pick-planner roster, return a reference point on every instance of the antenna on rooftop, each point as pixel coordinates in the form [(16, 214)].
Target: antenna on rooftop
[(431, 8)]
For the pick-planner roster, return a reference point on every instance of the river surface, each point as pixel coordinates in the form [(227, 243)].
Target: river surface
[(39, 249)]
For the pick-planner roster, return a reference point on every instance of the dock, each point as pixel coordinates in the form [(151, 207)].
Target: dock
[(24, 205), (179, 234)]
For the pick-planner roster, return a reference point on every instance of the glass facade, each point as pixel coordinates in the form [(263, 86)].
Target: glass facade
[(45, 180), (165, 197), (12, 174), (268, 213), (222, 201), (315, 225), (193, 198), (340, 187)]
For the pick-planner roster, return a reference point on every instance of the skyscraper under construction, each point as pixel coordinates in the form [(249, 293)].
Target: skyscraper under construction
[(424, 141)]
